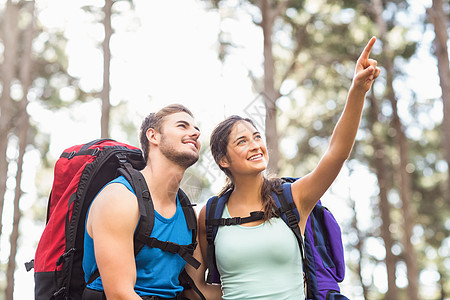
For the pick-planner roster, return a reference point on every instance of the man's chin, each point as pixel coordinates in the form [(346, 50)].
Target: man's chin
[(184, 159), (188, 160), (193, 161)]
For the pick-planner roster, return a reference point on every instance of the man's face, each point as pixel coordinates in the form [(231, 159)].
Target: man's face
[(179, 139)]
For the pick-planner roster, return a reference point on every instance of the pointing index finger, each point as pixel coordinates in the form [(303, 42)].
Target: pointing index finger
[(366, 51)]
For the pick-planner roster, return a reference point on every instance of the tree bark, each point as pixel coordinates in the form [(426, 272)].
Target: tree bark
[(402, 177), (105, 93), (443, 280), (270, 11), (359, 245), (10, 37), (379, 161), (23, 126), (439, 20)]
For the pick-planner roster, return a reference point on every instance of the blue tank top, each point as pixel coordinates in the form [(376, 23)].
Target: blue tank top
[(157, 271)]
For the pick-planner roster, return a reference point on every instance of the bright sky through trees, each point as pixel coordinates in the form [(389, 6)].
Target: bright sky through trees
[(165, 52)]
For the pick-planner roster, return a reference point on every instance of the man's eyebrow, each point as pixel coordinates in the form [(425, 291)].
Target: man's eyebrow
[(187, 124), (183, 122)]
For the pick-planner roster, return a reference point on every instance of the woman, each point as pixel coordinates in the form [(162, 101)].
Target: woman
[(250, 266)]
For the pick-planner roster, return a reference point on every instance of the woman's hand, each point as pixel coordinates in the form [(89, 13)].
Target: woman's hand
[(366, 70)]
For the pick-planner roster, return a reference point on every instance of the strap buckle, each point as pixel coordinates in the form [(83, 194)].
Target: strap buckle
[(233, 221), (58, 293), (63, 257)]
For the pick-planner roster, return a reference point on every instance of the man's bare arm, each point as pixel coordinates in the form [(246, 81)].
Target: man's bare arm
[(111, 223)]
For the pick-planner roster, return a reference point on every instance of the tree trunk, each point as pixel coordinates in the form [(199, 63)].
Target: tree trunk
[(359, 245), (10, 37), (106, 104), (402, 177), (270, 11), (379, 161), (439, 19), (23, 126), (443, 280)]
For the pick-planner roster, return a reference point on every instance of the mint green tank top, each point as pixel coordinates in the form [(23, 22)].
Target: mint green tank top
[(259, 262)]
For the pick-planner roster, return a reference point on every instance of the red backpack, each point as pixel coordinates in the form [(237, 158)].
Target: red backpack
[(79, 174)]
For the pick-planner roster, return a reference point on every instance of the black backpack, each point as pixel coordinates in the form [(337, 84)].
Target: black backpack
[(80, 173)]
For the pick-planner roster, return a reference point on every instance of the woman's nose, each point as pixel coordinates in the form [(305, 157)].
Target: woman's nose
[(253, 144)]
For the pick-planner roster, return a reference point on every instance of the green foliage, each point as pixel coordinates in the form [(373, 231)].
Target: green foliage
[(50, 73), (324, 69), (315, 44), (429, 178)]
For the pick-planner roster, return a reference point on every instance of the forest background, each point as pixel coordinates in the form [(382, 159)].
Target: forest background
[(73, 71)]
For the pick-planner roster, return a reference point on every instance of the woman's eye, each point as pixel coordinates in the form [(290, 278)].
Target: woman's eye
[(241, 142), (258, 137)]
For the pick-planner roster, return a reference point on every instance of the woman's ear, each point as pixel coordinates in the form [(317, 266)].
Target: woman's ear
[(223, 162), (152, 136)]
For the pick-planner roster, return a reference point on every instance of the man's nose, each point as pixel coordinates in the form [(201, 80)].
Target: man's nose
[(195, 132)]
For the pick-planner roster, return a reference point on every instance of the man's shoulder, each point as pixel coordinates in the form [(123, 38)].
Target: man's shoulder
[(114, 209), (116, 195), (117, 190)]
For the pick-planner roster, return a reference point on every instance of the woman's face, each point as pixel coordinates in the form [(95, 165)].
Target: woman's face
[(246, 151)]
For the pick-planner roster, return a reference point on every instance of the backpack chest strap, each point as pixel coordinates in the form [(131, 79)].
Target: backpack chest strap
[(254, 216), (184, 251)]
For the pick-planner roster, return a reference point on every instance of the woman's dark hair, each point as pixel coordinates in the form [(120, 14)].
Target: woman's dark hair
[(155, 121), (218, 144)]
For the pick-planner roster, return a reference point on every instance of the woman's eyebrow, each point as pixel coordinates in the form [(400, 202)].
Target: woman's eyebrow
[(238, 138), (243, 137)]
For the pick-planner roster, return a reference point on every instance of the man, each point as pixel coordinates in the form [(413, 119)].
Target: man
[(169, 141)]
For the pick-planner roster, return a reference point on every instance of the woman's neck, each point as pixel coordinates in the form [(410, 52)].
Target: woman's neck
[(248, 189)]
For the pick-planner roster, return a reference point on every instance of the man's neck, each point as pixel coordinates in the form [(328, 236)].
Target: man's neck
[(163, 179)]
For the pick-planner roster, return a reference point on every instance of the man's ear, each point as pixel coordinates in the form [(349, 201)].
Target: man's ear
[(152, 136), (224, 163)]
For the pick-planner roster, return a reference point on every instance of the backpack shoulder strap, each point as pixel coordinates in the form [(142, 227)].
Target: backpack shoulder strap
[(188, 211), (288, 211), (147, 219), (145, 204), (146, 210), (191, 220), (213, 219), (188, 283), (214, 210)]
